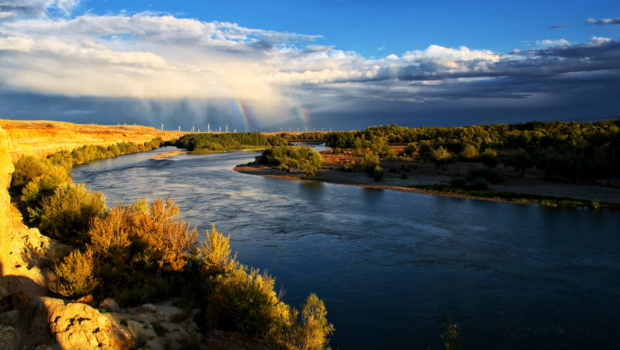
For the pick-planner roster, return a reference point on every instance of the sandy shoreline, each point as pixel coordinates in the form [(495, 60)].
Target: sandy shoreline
[(579, 192), (167, 154)]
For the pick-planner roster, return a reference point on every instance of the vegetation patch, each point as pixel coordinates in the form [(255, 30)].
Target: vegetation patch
[(518, 197)]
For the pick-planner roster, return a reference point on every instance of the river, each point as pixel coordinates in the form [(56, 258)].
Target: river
[(390, 264)]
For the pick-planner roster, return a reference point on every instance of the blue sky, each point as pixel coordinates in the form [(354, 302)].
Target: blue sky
[(309, 63)]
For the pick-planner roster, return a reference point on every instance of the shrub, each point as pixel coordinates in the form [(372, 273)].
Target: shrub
[(479, 184), (27, 168), (314, 325), (520, 162), (370, 162), (410, 149), (391, 157), (489, 158), (491, 175), (451, 335), (160, 236), (443, 158), (45, 185), (75, 275), (378, 173), (215, 253), (110, 235), (281, 167), (347, 167), (470, 152), (67, 213), (312, 163), (458, 182)]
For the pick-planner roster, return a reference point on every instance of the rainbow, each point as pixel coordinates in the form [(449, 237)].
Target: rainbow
[(242, 114), (303, 116)]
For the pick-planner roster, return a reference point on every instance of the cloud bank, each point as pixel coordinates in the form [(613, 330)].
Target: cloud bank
[(149, 56)]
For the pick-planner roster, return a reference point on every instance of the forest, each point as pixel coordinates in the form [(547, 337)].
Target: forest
[(577, 152)]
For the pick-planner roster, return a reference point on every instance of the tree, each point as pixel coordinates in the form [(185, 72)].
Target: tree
[(520, 162), (312, 164), (442, 158)]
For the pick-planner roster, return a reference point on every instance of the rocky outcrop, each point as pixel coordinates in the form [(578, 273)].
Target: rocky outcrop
[(41, 138), (55, 322), (6, 169), (13, 302)]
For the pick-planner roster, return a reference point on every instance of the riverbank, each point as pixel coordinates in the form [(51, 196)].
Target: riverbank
[(527, 193)]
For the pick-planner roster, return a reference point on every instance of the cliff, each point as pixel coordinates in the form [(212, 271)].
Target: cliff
[(41, 138), (6, 169)]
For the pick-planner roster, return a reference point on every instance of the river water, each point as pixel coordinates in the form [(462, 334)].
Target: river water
[(390, 264)]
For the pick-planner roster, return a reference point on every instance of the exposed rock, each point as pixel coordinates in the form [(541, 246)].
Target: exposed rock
[(7, 333), (8, 318), (71, 325), (109, 304), (88, 300), (13, 302), (148, 308)]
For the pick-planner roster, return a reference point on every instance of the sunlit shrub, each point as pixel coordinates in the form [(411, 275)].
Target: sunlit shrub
[(315, 329), (67, 213), (27, 168), (162, 237), (45, 185), (370, 162), (110, 235), (215, 253), (75, 275)]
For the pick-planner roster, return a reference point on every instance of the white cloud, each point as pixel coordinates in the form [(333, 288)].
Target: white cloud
[(553, 43), (599, 40)]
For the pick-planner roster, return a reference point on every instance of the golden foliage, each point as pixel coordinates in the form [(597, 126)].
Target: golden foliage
[(75, 275), (167, 239), (215, 253), (314, 326), (110, 236)]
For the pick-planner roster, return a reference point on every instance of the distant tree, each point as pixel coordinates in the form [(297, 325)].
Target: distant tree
[(442, 158), (520, 162), (469, 152), (489, 158), (411, 149), (425, 150), (312, 164)]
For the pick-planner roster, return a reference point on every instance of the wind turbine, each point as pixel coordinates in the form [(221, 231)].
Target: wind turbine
[(208, 127), (192, 128), (226, 127), (220, 128), (162, 127), (179, 127)]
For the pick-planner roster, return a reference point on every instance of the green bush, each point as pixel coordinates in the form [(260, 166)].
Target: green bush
[(27, 168), (67, 213), (458, 182), (370, 162), (491, 175), (489, 158), (45, 185), (346, 167), (470, 152), (75, 275)]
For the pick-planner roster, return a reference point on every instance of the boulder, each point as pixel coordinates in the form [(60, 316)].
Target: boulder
[(13, 302), (148, 308), (71, 325), (109, 304), (88, 300), (8, 318), (7, 333)]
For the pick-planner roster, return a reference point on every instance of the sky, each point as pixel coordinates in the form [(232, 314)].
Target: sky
[(309, 64)]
